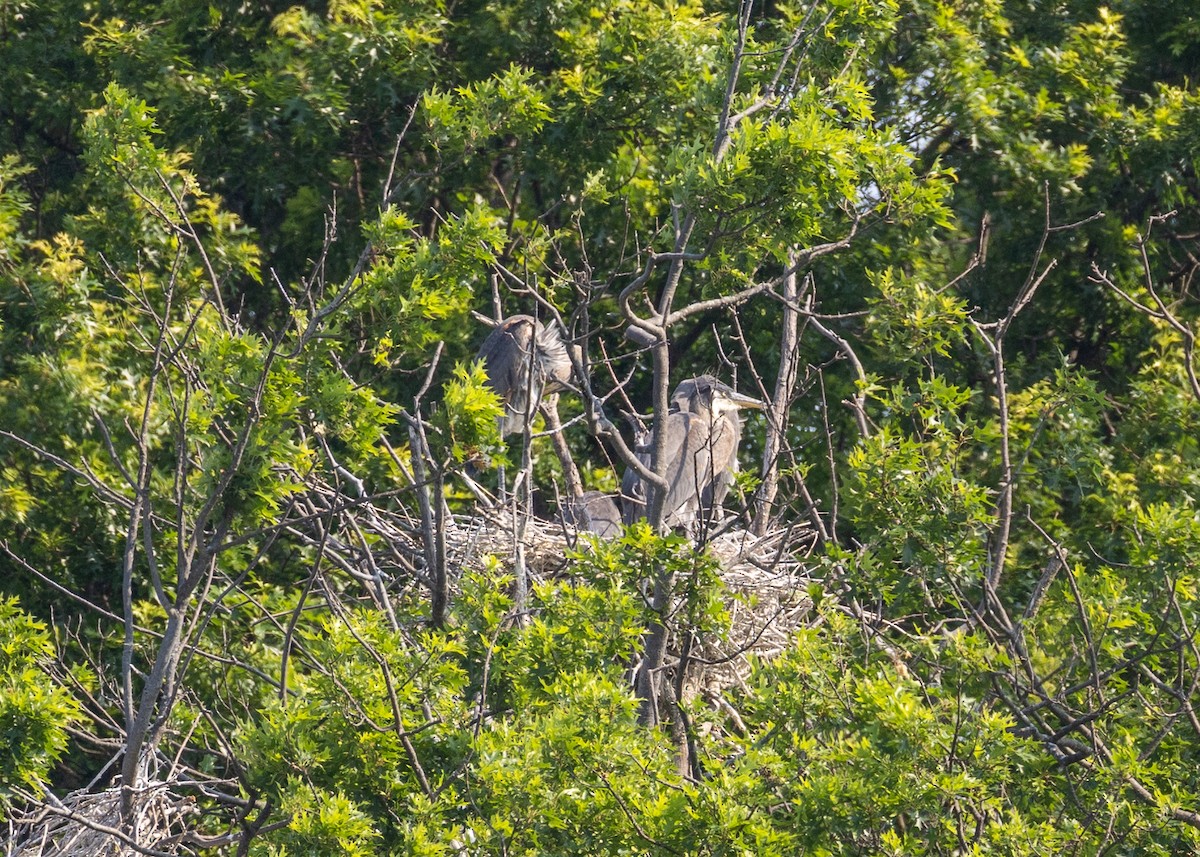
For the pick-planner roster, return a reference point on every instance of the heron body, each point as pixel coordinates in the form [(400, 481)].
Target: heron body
[(524, 360), (702, 436), (593, 512)]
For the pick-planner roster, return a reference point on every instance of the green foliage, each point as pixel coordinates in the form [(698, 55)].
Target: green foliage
[(144, 192), (472, 411), (565, 776), (888, 763), (13, 204), (322, 823), (464, 121), (909, 320), (791, 176), (592, 627), (354, 712), (915, 496), (418, 290), (233, 236), (35, 709)]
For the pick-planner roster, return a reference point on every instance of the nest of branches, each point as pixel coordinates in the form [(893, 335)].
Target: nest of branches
[(767, 578), (89, 824)]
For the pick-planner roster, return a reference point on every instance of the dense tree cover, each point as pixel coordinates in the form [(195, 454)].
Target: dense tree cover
[(952, 245)]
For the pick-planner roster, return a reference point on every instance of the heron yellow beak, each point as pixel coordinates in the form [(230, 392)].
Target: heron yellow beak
[(743, 401)]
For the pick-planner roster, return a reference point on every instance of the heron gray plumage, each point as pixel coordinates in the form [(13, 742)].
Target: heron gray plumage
[(703, 431), (524, 360), (593, 512)]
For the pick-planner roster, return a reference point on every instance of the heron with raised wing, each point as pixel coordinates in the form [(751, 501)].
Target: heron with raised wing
[(703, 431), (524, 360)]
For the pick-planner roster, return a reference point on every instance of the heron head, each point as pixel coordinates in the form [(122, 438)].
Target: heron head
[(706, 393)]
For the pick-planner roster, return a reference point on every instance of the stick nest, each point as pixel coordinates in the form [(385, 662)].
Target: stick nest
[(767, 578), (87, 824)]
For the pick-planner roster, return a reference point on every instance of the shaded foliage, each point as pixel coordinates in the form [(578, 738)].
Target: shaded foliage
[(952, 245)]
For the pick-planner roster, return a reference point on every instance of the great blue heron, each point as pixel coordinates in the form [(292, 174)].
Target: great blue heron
[(702, 435), (524, 360), (592, 512)]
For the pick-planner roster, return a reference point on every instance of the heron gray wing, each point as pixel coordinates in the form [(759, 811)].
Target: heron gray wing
[(506, 340), (689, 467), (553, 359), (633, 488), (705, 472), (508, 361), (634, 493), (593, 512), (702, 435), (728, 434)]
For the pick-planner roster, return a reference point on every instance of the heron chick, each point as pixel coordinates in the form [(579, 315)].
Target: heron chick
[(703, 431), (592, 512), (524, 360)]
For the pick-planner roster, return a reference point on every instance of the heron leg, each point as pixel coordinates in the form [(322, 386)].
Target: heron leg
[(501, 487), (554, 428)]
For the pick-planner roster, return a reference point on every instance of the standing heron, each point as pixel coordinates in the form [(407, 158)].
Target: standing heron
[(702, 435), (524, 360), (527, 361)]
